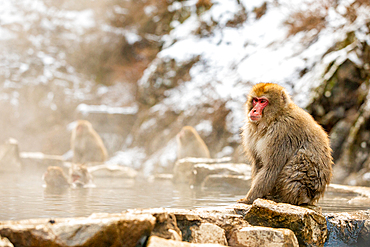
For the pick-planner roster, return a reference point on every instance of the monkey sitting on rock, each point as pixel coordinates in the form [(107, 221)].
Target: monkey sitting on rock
[(289, 151), (190, 144), (86, 144)]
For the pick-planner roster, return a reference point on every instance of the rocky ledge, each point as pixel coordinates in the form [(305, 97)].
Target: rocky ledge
[(265, 223)]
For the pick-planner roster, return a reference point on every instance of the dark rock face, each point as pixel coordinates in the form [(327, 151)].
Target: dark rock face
[(347, 229), (340, 106), (339, 94)]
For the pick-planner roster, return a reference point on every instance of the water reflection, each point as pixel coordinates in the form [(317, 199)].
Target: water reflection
[(22, 196)]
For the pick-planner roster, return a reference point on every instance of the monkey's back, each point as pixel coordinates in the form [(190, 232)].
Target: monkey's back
[(190, 144), (90, 148), (308, 168), (196, 149)]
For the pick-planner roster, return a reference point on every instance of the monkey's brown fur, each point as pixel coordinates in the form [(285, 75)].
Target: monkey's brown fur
[(80, 175), (289, 152), (54, 177), (86, 144), (190, 144)]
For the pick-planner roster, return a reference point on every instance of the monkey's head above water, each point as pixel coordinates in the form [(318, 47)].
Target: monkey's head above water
[(80, 175), (55, 177), (266, 102)]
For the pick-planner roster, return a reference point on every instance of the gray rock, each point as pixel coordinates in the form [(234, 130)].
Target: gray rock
[(194, 223), (211, 226), (256, 236), (9, 156), (40, 160), (161, 176), (96, 230), (201, 171), (217, 180), (308, 225), (112, 170), (193, 171), (183, 172), (360, 190), (161, 242), (208, 233)]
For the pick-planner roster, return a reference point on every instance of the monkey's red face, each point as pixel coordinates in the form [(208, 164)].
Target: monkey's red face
[(259, 103), (81, 129)]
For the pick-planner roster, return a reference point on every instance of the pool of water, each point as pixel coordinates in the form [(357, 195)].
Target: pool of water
[(22, 196)]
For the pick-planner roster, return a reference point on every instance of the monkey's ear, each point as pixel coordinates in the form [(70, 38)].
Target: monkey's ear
[(285, 99)]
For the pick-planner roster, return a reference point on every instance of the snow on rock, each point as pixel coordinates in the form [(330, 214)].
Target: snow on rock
[(161, 160), (130, 157), (85, 109)]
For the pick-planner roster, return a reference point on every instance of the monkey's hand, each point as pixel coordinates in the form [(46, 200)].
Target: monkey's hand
[(262, 184)]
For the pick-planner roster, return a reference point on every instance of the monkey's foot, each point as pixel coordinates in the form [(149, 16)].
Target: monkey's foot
[(244, 200)]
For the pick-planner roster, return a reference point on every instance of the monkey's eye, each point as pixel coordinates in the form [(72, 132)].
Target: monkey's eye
[(263, 101), (254, 101)]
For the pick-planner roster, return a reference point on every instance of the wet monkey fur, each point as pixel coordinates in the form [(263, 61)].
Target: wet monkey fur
[(289, 152), (54, 177)]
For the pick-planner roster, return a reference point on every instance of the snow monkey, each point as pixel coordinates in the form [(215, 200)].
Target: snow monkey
[(54, 177), (86, 144), (190, 144), (80, 175), (289, 152)]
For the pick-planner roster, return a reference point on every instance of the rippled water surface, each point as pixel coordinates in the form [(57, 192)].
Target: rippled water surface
[(22, 196)]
